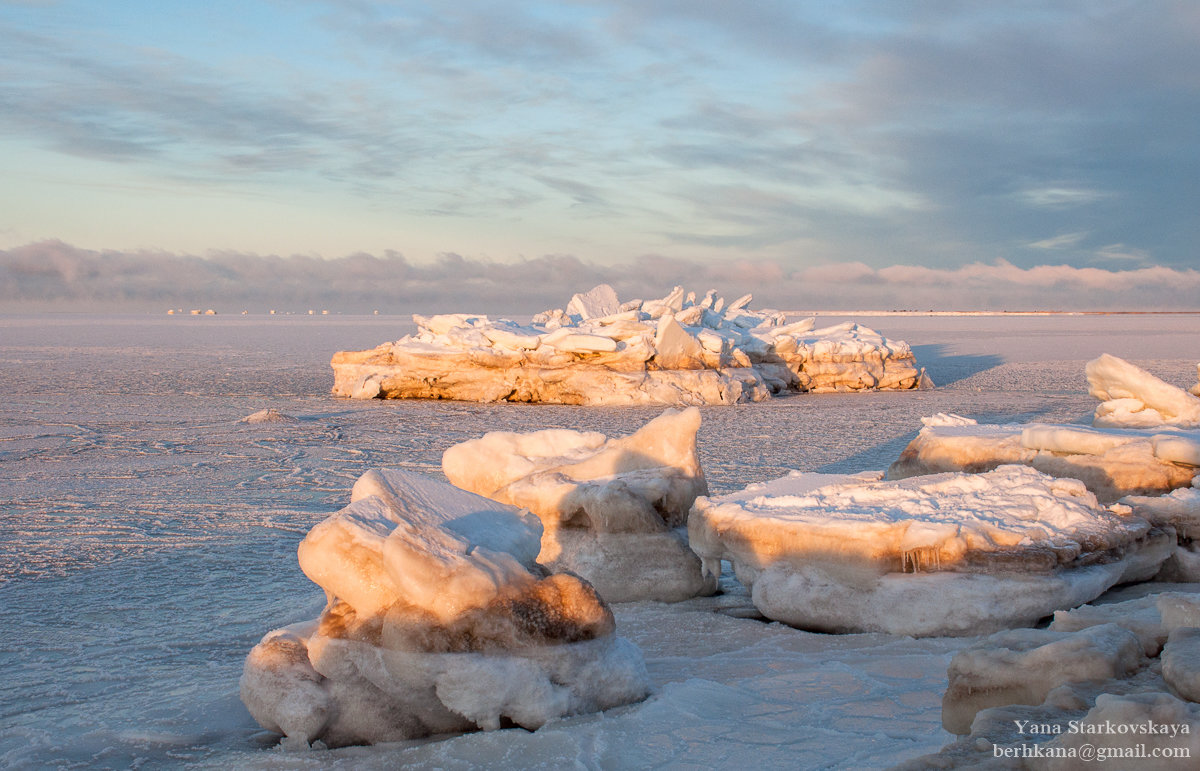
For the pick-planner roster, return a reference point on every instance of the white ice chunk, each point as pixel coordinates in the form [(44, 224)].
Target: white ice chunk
[(676, 347), (1181, 662), (1112, 462), (406, 538), (565, 339), (1022, 666), (1131, 396), (596, 302), (948, 554), (443, 324), (281, 689), (1152, 617), (948, 419), (438, 620), (513, 337), (1182, 448), (1073, 439), (1179, 509), (613, 509), (269, 415)]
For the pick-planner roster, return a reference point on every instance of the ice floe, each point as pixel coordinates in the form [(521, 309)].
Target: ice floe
[(1022, 666), (1132, 397), (945, 554), (439, 619), (1119, 677), (1137, 453), (1112, 462), (676, 350), (614, 510)]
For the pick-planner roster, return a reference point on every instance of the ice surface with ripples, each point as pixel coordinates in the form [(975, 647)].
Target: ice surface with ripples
[(150, 536)]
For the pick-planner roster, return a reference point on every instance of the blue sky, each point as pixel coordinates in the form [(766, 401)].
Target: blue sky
[(851, 137)]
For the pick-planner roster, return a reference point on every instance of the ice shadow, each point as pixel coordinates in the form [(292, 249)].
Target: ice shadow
[(878, 456), (945, 369)]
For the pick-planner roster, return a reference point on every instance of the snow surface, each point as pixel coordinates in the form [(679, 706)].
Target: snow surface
[(150, 538)]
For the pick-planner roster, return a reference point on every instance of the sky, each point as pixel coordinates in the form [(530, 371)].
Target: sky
[(869, 154)]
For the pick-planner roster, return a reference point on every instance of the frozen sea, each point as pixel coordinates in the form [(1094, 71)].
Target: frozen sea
[(148, 539)]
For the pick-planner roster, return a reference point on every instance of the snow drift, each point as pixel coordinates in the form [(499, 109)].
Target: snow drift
[(439, 619), (614, 511), (946, 554), (676, 350)]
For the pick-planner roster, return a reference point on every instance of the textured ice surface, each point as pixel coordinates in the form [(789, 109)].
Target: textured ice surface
[(676, 350), (942, 554), (614, 510), (150, 538)]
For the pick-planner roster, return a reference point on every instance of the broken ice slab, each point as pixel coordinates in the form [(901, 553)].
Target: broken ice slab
[(1112, 462), (1117, 677), (614, 510), (940, 555), (1132, 397), (439, 620)]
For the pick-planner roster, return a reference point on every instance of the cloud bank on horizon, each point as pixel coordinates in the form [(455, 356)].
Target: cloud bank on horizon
[(55, 275), (964, 154)]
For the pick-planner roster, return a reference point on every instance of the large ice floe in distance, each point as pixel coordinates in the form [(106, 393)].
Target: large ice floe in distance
[(677, 350), (940, 555), (438, 620), (614, 510)]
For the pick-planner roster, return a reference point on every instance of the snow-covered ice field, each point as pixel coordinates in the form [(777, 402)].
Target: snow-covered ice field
[(148, 539)]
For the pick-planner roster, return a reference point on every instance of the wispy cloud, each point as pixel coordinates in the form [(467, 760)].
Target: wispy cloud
[(1062, 241), (1060, 197)]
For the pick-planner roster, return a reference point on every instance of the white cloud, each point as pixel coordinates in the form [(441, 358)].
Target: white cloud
[(1063, 241), (1061, 197)]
